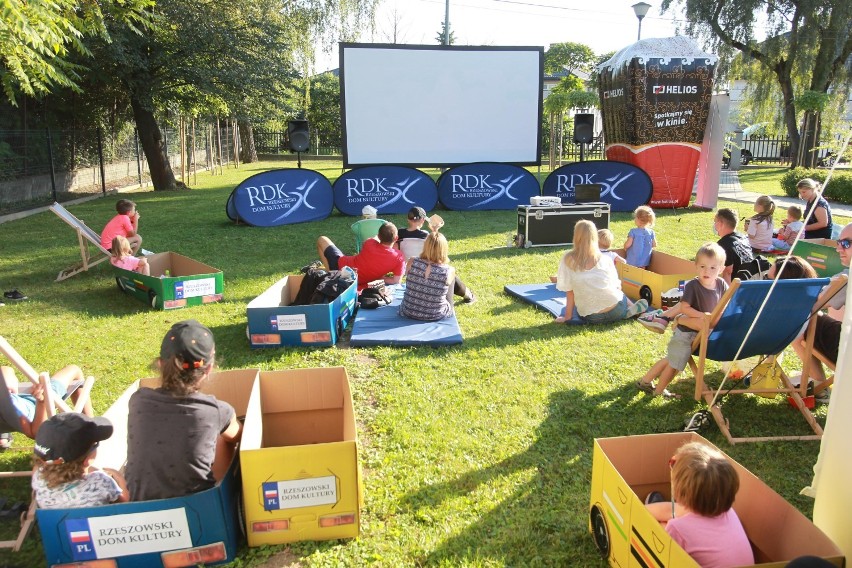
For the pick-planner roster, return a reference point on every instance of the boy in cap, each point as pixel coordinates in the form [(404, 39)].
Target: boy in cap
[(63, 476), (414, 233), (180, 441)]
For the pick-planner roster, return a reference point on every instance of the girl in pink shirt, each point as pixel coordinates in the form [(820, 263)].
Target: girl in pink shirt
[(122, 257), (702, 519)]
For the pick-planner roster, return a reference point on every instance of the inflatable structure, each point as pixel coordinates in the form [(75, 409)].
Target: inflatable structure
[(655, 101)]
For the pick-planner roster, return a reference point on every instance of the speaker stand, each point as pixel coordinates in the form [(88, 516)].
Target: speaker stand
[(299, 159), (582, 155)]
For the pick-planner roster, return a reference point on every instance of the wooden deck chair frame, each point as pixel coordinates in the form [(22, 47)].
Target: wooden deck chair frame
[(85, 236), (807, 341), (702, 392)]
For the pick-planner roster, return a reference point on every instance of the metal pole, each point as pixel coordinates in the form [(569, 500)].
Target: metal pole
[(447, 23), (50, 157), (639, 35), (101, 160)]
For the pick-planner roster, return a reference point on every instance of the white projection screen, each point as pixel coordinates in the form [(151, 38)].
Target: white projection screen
[(419, 105)]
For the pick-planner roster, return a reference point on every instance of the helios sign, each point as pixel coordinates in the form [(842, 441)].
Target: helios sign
[(282, 197), (390, 189), (624, 186), (484, 186)]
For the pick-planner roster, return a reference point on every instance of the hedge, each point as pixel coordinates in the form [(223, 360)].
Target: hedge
[(839, 189)]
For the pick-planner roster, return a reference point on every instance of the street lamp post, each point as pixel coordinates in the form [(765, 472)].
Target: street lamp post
[(447, 23), (640, 9)]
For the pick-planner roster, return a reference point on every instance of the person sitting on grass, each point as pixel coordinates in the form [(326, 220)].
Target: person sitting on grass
[(126, 224), (378, 259), (63, 476), (122, 257), (414, 231), (30, 404), (790, 227), (180, 441), (736, 246), (700, 296), (428, 282), (701, 518), (590, 282)]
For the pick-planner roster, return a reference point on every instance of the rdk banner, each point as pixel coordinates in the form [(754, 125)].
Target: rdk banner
[(624, 186), (486, 186), (390, 189), (281, 197)]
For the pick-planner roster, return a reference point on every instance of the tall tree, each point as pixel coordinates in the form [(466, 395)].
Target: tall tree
[(569, 56), (808, 43), (443, 34), (39, 39)]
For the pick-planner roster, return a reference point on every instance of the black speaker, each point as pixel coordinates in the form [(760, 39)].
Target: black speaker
[(584, 128), (299, 135)]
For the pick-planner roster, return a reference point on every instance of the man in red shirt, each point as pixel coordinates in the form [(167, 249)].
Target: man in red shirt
[(125, 224), (377, 259)]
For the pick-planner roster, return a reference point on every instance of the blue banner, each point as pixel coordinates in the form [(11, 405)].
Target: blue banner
[(230, 210), (283, 197), (624, 186), (390, 189), (486, 186)]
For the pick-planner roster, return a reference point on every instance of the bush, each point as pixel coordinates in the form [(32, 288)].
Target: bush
[(839, 188)]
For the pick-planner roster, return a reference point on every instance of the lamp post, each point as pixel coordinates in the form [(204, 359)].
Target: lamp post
[(447, 23), (640, 9)]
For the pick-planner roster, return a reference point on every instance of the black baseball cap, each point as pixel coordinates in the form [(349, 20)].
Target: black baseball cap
[(416, 213), (191, 343), (70, 436)]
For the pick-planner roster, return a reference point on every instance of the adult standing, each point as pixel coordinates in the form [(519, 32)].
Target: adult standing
[(817, 210), (591, 283), (736, 246)]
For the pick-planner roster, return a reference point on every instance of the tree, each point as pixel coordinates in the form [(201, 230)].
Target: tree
[(569, 56), (806, 49), (324, 110), (443, 33), (38, 40)]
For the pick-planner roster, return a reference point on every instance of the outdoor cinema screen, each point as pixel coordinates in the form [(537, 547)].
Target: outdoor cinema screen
[(440, 106)]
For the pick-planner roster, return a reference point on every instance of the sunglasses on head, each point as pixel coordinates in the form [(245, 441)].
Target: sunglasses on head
[(844, 243)]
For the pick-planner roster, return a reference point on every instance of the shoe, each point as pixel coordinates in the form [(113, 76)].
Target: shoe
[(639, 307), (469, 297), (315, 264), (655, 321), (823, 396), (14, 295), (670, 395), (645, 387), (654, 497)]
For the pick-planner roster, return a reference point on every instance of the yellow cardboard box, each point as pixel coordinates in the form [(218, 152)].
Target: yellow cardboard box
[(299, 458), (663, 273), (626, 469)]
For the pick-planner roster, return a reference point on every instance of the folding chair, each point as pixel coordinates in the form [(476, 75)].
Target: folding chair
[(366, 229), (807, 341), (85, 236), (768, 333)]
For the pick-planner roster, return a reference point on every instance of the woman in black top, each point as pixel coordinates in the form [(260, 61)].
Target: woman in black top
[(819, 222)]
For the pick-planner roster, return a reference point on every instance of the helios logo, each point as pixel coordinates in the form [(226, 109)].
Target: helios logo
[(675, 89), (611, 94)]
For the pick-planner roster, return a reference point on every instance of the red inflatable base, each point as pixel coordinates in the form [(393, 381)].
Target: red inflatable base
[(671, 167)]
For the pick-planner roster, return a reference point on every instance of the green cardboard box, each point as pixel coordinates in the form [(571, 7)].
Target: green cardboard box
[(176, 281), (822, 255)]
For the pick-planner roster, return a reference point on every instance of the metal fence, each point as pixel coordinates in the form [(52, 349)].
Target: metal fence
[(38, 167)]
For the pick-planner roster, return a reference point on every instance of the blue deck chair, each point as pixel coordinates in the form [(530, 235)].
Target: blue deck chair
[(365, 229), (778, 325)]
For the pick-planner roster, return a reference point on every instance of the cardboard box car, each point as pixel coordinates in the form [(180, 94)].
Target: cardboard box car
[(663, 273), (299, 458), (822, 254), (201, 528), (273, 321), (176, 281), (626, 469)]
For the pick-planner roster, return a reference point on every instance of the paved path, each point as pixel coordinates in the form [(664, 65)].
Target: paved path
[(730, 188)]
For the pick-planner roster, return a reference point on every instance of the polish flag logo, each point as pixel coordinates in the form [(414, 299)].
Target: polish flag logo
[(271, 493), (80, 536)]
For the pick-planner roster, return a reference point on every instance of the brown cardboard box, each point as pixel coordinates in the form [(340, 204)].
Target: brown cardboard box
[(626, 469), (663, 273)]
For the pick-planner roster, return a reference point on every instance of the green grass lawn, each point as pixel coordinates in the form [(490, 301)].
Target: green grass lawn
[(473, 455), (764, 180)]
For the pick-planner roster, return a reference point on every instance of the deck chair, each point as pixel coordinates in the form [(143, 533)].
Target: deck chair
[(85, 236), (775, 328), (365, 229), (807, 341)]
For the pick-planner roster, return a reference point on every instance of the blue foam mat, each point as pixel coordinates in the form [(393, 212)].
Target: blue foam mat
[(544, 296), (384, 326)]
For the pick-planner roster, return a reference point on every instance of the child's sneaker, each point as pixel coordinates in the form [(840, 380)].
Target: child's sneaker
[(655, 321), (639, 307)]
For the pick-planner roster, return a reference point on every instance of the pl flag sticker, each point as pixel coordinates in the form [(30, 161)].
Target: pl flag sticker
[(297, 493), (126, 535)]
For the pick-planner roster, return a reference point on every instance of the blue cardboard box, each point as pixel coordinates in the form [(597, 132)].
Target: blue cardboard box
[(274, 322), (201, 528)]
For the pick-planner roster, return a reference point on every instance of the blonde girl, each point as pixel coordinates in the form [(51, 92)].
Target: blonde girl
[(590, 282), (429, 282), (760, 226), (122, 257), (641, 239)]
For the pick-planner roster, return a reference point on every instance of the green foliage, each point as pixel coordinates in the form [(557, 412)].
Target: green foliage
[(473, 455), (38, 39), (568, 56), (838, 189), (583, 99), (441, 38), (324, 110), (812, 101)]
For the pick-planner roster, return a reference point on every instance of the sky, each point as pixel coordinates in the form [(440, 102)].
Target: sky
[(603, 25)]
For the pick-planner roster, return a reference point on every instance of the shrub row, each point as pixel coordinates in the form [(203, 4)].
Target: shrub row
[(839, 189)]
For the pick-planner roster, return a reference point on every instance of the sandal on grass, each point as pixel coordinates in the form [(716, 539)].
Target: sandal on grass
[(669, 394), (645, 387)]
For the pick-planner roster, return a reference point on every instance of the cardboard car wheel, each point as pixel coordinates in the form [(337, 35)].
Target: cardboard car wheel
[(120, 284), (599, 531), (646, 294), (152, 298)]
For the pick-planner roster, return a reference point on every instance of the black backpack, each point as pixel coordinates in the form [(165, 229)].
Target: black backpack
[(310, 281), (333, 285)]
